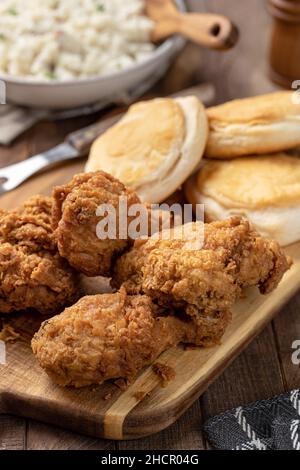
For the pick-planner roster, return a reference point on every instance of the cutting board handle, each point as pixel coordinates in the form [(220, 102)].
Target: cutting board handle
[(206, 29), (213, 31)]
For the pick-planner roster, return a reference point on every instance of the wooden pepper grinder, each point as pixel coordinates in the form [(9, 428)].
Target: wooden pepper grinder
[(285, 44)]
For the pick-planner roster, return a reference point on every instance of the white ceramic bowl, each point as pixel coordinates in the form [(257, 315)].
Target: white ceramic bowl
[(81, 92)]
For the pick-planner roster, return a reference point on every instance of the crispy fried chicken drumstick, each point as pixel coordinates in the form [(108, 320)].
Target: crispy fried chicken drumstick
[(106, 336), (206, 281), (75, 218), (32, 273)]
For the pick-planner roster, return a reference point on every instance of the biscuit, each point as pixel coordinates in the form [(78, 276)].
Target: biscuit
[(253, 126), (155, 147), (266, 190)]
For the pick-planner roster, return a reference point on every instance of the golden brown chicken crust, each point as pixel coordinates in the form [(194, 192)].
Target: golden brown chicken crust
[(103, 337), (210, 279), (74, 220), (206, 329), (38, 206), (29, 226), (112, 336), (32, 273)]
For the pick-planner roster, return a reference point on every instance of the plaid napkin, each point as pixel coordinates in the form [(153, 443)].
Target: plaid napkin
[(265, 425)]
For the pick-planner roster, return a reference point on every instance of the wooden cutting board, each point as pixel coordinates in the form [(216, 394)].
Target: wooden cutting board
[(145, 407)]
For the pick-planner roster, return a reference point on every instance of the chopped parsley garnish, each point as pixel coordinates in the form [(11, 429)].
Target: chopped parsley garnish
[(100, 7), (12, 11), (2, 37), (51, 75)]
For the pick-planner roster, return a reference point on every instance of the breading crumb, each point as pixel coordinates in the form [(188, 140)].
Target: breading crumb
[(165, 373), (8, 334), (140, 395), (107, 396)]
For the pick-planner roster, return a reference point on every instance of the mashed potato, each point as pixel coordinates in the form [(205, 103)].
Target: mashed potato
[(66, 39)]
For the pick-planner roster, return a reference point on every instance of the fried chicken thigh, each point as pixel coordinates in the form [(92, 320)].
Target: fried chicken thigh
[(204, 282), (32, 273), (106, 336), (75, 221)]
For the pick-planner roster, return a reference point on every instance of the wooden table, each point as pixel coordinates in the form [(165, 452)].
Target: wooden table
[(265, 368)]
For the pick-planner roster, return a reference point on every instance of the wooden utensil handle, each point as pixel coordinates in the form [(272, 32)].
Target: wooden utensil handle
[(83, 139), (285, 67), (213, 31)]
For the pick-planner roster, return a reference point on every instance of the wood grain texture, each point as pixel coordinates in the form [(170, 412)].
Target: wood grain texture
[(44, 437), (185, 434), (287, 330), (12, 433), (254, 375)]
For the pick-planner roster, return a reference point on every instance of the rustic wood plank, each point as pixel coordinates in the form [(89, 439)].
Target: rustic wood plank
[(185, 434), (287, 330), (12, 433), (254, 375), (15, 153), (43, 437), (47, 134)]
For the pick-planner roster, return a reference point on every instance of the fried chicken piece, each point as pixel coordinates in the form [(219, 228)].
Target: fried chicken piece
[(29, 226), (75, 221), (32, 273), (207, 280), (205, 329), (113, 336), (106, 336)]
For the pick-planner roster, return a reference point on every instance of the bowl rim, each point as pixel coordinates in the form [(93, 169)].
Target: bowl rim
[(166, 47)]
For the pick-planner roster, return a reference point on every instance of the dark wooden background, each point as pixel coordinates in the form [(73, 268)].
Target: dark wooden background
[(265, 368)]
